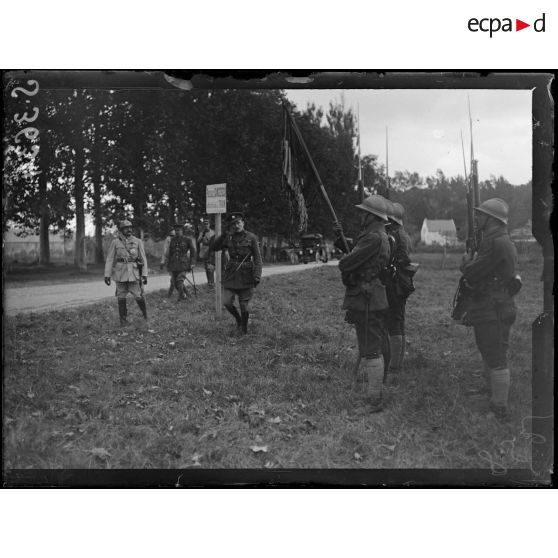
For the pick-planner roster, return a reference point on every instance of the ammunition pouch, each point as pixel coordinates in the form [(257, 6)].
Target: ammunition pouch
[(514, 285)]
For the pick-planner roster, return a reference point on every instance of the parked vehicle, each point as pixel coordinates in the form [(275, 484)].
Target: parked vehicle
[(312, 248)]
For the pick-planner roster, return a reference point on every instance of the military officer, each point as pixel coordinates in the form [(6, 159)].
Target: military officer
[(365, 295), (491, 275), (126, 263), (206, 254), (399, 285), (180, 258), (243, 271)]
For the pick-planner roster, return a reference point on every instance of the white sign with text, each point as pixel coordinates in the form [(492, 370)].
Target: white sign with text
[(216, 198)]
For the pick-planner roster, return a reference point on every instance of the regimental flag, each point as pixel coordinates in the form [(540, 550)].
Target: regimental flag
[(295, 174)]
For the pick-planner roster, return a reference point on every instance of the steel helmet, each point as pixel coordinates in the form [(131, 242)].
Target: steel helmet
[(376, 205), (398, 213), (123, 224), (495, 207)]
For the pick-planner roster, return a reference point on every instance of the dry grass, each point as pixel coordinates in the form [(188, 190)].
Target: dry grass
[(80, 392)]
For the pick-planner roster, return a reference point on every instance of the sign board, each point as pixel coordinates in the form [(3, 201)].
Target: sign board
[(216, 198)]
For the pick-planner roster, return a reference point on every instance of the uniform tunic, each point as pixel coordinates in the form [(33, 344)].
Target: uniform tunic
[(244, 267), (395, 288), (365, 295), (181, 256), (492, 310), (122, 260)]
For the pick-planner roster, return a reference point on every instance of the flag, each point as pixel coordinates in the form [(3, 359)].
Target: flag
[(294, 172)]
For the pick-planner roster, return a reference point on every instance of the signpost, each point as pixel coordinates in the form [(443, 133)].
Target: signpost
[(216, 202)]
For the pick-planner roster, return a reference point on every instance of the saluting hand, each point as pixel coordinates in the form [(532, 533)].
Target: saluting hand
[(107, 281)]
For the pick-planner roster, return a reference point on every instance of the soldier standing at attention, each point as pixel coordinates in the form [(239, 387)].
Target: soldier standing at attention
[(180, 258), (491, 311), (243, 271), (365, 295), (164, 260), (206, 254), (127, 255), (399, 286)]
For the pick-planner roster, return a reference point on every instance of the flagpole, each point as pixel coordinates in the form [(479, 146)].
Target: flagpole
[(387, 165), (360, 178), (315, 170)]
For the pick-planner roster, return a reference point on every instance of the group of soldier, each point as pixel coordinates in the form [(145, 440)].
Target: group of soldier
[(378, 276)]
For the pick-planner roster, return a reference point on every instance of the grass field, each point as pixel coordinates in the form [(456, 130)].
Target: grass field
[(186, 391)]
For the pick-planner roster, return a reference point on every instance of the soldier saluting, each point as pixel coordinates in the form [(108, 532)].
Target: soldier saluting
[(243, 271), (491, 276), (365, 295), (127, 256)]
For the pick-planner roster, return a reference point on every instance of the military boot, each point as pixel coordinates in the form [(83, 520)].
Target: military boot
[(170, 291), (500, 387), (234, 312), (394, 368), (244, 318), (122, 311), (374, 368), (142, 307)]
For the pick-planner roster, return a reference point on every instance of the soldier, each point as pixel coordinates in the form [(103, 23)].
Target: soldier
[(491, 311), (181, 258), (206, 254), (243, 271), (127, 255), (399, 285), (164, 261), (365, 295)]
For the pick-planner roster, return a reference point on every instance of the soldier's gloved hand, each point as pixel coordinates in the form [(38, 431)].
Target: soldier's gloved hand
[(107, 281), (144, 280), (338, 229), (256, 281)]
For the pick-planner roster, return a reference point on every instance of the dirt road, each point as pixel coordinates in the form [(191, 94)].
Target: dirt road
[(44, 298)]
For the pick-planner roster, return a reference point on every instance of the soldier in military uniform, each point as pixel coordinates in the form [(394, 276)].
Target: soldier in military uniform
[(206, 253), (181, 258), (365, 295), (491, 276), (399, 285), (243, 271), (164, 261), (126, 263)]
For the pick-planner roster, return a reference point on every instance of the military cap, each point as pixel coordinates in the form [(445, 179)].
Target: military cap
[(495, 207), (124, 223), (376, 205), (233, 217)]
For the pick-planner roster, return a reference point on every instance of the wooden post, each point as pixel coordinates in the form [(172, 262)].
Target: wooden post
[(218, 254)]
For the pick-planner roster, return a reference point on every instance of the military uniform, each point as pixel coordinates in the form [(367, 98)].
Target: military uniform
[(491, 309), (180, 258), (365, 295), (207, 255), (243, 271), (164, 257), (125, 257), (399, 285)]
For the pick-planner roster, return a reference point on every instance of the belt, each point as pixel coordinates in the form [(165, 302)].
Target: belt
[(124, 260)]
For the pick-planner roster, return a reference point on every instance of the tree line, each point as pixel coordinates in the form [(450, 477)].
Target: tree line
[(147, 155)]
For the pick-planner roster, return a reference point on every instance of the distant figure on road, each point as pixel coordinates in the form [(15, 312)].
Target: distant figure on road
[(126, 263), (164, 257), (491, 275), (243, 271), (180, 258), (365, 296), (206, 254)]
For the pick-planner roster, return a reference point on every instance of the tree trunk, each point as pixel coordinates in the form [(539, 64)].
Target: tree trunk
[(79, 194), (44, 246)]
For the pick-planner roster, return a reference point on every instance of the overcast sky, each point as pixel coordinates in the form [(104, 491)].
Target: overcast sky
[(424, 128)]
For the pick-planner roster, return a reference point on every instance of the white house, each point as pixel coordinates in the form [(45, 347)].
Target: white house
[(438, 231)]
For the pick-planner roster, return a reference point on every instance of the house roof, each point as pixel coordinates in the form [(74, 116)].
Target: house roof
[(440, 225)]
